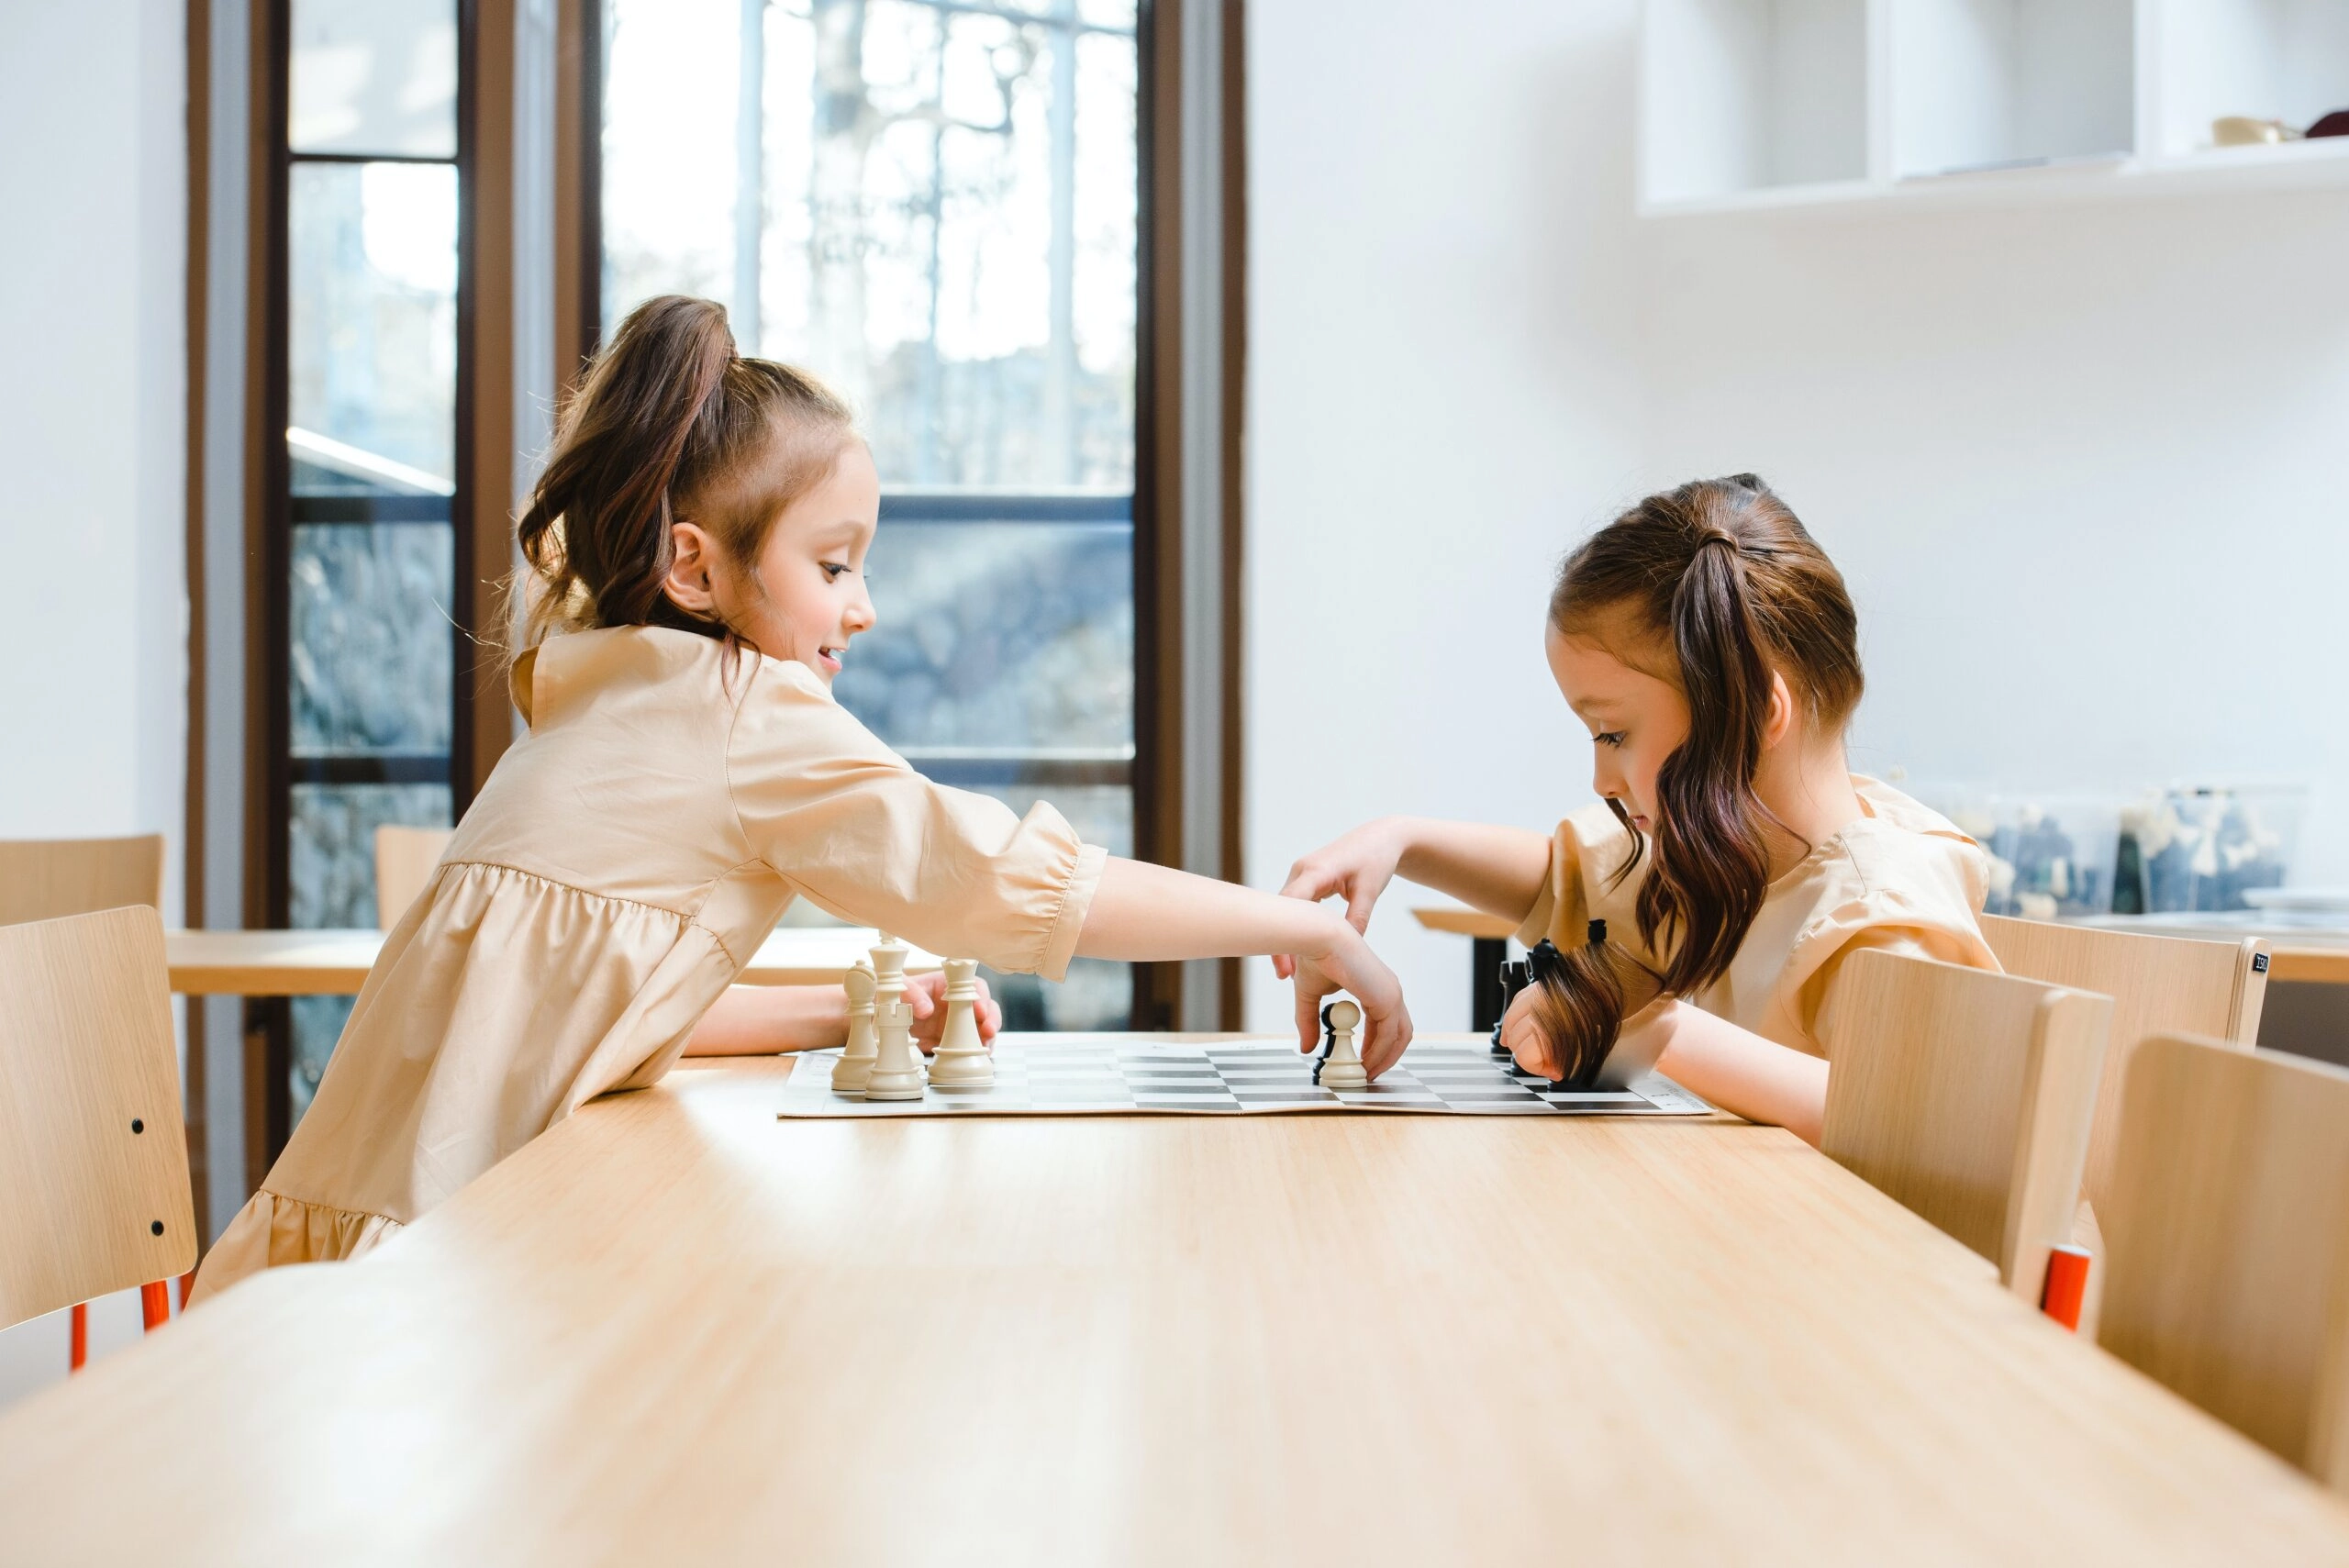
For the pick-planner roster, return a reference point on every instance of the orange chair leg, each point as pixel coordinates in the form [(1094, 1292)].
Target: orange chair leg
[(155, 1303), (187, 1282), (2068, 1285), (81, 1335)]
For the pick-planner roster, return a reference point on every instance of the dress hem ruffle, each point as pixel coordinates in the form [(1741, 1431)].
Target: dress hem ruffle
[(272, 1229)]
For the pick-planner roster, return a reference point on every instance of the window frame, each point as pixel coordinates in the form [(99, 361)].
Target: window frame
[(477, 513)]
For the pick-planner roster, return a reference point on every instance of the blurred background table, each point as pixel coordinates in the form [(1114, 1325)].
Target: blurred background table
[(335, 962)]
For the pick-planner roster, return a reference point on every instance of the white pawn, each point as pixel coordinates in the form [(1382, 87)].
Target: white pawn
[(896, 1071), (962, 1061), (1344, 1068), (856, 1063)]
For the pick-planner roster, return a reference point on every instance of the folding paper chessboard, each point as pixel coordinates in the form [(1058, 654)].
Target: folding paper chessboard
[(1072, 1076)]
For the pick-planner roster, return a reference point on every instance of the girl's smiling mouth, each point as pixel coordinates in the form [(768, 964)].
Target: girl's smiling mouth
[(830, 658)]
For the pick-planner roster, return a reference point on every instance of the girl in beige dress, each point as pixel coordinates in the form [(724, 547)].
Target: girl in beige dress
[(1710, 648), (695, 557)]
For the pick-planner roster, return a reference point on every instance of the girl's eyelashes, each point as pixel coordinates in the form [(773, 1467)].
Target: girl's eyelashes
[(832, 570), (1609, 738)]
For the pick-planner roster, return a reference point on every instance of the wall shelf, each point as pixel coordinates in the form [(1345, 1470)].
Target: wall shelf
[(1771, 105)]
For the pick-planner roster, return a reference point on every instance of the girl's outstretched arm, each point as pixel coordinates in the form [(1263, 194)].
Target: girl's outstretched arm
[(767, 1020), (1145, 912), (1497, 870), (1736, 1069)]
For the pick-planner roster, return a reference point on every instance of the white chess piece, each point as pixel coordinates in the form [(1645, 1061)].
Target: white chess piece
[(962, 1061), (897, 1069), (1344, 1068), (863, 1044)]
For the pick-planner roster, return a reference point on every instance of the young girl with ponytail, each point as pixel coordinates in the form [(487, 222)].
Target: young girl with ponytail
[(696, 555), (1735, 861)]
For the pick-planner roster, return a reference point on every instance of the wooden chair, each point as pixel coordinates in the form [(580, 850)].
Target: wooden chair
[(1967, 1096), (2158, 985), (41, 879), (94, 1179), (405, 860), (2228, 1230)]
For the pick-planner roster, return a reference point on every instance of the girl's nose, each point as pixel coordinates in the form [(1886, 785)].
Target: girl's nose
[(861, 615)]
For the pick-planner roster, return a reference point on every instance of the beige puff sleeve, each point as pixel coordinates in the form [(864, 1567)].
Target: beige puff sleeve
[(1586, 853), (849, 824), (1931, 916)]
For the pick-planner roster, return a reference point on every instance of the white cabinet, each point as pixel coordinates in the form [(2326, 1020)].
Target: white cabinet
[(1755, 103), (1753, 95)]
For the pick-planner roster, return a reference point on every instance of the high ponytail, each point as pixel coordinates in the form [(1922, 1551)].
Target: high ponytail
[(664, 428), (1721, 573)]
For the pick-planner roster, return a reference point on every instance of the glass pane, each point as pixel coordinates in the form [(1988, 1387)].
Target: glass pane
[(669, 174), (372, 651), (939, 218), (317, 1026), (333, 844), (372, 326), (376, 77), (1096, 995), (1006, 637), (333, 833)]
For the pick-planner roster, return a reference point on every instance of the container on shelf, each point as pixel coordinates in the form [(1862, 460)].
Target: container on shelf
[(2204, 847), (2051, 853)]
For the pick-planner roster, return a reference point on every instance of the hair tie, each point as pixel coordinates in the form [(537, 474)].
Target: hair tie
[(1717, 537)]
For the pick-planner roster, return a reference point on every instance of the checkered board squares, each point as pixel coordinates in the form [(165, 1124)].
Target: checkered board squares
[(1072, 1076)]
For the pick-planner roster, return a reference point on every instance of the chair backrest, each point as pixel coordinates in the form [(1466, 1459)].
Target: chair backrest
[(41, 879), (1966, 1096), (405, 859), (2227, 1241), (2158, 985), (94, 1180)]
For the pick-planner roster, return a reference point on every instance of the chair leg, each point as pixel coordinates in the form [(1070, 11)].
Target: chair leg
[(80, 1352), (155, 1303), (2068, 1285), (187, 1282)]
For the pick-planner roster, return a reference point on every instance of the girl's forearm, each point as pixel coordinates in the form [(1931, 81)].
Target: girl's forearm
[(1143, 914), (760, 1020), (1497, 870), (1744, 1074)]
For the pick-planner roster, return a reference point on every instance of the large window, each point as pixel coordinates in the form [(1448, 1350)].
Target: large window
[(932, 204), (363, 541)]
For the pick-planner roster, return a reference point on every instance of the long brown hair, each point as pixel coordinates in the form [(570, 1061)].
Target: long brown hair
[(1723, 574), (664, 430)]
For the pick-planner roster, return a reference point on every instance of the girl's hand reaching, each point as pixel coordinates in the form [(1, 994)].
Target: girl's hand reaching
[(1349, 966), (926, 997), (1537, 1054), (1357, 866)]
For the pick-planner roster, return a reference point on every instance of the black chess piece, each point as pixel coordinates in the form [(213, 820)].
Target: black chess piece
[(1329, 1042), (1516, 975)]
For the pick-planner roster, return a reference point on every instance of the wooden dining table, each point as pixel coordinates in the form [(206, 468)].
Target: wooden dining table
[(335, 962), (677, 1330)]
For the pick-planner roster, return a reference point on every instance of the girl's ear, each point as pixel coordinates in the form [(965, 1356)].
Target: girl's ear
[(693, 564), (1780, 721)]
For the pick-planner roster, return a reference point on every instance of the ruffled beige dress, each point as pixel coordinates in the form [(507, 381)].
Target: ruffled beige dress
[(626, 859), (1903, 877)]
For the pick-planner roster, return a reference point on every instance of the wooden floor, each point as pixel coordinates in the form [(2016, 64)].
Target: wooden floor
[(677, 1330)]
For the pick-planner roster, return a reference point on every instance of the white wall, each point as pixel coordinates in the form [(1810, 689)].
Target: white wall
[(93, 196), (2086, 466), (93, 647), (1443, 391)]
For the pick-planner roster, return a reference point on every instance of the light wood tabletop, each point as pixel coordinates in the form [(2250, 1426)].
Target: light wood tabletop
[(335, 962), (675, 1328)]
